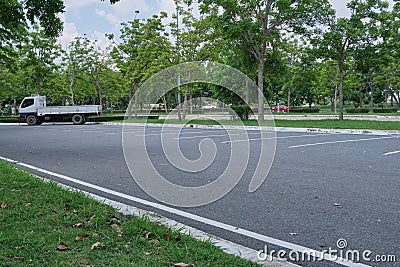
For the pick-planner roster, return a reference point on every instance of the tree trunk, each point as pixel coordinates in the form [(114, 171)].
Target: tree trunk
[(38, 82), (247, 93), (71, 83), (288, 100), (260, 83), (371, 104), (136, 99), (15, 107), (341, 90), (165, 102), (130, 101)]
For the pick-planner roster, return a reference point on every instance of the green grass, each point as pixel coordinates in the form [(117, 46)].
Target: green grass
[(326, 124), (336, 124), (36, 217)]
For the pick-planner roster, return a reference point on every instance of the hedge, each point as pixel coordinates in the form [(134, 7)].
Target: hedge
[(242, 112), (385, 110), (304, 110), (357, 110)]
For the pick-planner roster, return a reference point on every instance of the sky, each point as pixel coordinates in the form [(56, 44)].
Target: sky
[(96, 18)]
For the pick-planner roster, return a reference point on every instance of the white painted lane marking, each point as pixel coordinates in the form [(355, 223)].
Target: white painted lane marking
[(391, 153), (204, 136), (224, 226), (344, 141), (278, 137)]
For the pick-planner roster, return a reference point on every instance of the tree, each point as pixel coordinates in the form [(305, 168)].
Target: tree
[(144, 50), (16, 15), (38, 53), (254, 23), (346, 36)]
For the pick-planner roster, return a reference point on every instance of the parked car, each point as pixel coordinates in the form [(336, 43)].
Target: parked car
[(208, 107), (282, 108)]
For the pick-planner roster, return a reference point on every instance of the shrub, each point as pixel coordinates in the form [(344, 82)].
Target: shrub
[(242, 112), (385, 110), (357, 110), (304, 110)]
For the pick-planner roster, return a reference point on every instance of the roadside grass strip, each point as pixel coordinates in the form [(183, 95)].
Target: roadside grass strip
[(43, 224)]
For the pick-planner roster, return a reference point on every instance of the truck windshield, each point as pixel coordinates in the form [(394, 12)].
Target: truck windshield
[(27, 103)]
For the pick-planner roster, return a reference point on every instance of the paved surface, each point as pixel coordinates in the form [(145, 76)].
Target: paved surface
[(321, 188), (282, 116)]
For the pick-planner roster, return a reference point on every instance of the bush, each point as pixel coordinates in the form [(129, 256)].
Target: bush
[(357, 110), (242, 112), (385, 110), (304, 110)]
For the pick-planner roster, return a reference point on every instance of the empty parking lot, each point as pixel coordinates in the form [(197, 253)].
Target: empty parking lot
[(322, 187)]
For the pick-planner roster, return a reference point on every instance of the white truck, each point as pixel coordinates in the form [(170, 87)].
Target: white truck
[(34, 111)]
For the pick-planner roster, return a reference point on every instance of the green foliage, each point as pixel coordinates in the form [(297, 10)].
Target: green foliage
[(241, 112), (357, 110), (385, 110), (304, 110)]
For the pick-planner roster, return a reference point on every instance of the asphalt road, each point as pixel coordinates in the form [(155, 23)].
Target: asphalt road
[(321, 187)]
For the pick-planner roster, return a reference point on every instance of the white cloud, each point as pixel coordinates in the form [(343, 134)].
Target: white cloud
[(68, 34), (102, 40), (108, 16), (125, 8)]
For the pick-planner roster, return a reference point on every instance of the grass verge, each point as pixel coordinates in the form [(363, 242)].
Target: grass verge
[(45, 225), (325, 124), (336, 124)]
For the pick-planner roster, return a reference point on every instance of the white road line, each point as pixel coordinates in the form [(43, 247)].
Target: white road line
[(204, 136), (344, 141), (173, 132), (391, 153), (227, 227), (278, 137)]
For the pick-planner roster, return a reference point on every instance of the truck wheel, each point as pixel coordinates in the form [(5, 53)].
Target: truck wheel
[(78, 119), (31, 120), (39, 121)]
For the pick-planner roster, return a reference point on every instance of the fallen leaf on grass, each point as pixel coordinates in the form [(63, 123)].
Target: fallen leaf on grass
[(53, 220), (96, 245), (148, 234), (116, 227), (3, 205), (78, 224), (76, 212), (167, 235), (147, 253), (178, 238), (67, 207), (91, 218), (120, 235), (155, 241), (18, 258), (62, 247), (79, 238), (19, 247), (27, 204)]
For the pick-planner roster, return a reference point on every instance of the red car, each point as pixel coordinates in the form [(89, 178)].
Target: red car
[(282, 108)]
